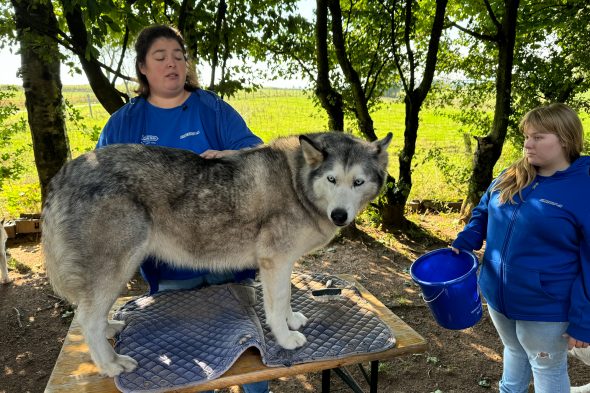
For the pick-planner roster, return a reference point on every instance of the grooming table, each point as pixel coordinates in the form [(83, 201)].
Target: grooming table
[(74, 371)]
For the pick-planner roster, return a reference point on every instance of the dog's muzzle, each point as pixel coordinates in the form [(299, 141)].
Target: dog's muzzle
[(339, 217)]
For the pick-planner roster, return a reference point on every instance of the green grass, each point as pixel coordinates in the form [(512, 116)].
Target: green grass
[(271, 113)]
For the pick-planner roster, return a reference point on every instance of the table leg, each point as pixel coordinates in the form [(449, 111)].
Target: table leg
[(326, 381), (374, 376), (348, 379)]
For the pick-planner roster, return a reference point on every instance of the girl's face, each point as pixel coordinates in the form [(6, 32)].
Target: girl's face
[(545, 151), (165, 68)]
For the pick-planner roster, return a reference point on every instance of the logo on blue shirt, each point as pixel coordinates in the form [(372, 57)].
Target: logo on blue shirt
[(190, 133), (149, 139), (551, 203)]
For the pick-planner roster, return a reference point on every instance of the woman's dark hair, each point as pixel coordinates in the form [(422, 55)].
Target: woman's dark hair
[(144, 41)]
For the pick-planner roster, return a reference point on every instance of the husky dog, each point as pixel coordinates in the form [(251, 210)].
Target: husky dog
[(584, 355), (265, 207), (4, 279)]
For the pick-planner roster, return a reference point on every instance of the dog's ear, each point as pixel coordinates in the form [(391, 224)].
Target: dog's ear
[(312, 154), (381, 146)]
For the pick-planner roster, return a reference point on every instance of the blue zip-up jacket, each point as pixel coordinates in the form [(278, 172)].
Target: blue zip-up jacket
[(223, 128), (536, 265)]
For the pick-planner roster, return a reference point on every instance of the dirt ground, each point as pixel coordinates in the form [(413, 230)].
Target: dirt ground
[(34, 322)]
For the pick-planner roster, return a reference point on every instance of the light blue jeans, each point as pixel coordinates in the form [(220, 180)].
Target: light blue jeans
[(532, 348), (254, 387)]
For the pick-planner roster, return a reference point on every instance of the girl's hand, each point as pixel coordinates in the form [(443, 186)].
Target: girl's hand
[(573, 343), (455, 250)]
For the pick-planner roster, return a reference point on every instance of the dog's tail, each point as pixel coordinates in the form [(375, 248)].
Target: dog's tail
[(60, 258), (581, 353), (580, 389), (584, 355), (60, 268)]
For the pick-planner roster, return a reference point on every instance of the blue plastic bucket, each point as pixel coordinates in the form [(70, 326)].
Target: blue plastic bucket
[(449, 287)]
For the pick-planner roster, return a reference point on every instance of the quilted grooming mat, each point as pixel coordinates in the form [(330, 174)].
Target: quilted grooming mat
[(184, 338)]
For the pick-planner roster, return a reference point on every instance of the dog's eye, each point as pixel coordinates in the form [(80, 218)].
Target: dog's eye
[(358, 182), (331, 179)]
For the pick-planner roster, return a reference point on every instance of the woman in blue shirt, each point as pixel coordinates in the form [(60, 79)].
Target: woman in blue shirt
[(171, 110), (535, 274)]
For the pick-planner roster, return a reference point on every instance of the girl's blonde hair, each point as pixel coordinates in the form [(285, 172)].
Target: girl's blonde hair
[(558, 119)]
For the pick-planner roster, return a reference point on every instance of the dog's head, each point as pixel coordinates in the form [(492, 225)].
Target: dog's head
[(343, 173)]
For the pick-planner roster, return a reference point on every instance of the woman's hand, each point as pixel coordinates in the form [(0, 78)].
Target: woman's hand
[(573, 343), (455, 250), (217, 153)]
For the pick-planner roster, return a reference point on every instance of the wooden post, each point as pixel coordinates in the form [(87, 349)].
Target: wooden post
[(89, 104)]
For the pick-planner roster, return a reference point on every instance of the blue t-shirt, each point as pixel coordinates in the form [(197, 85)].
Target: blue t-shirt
[(202, 122), (174, 127)]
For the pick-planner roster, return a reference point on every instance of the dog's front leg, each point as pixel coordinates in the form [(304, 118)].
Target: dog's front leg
[(295, 320), (276, 287)]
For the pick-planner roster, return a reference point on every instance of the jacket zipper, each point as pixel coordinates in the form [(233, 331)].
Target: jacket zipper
[(505, 246)]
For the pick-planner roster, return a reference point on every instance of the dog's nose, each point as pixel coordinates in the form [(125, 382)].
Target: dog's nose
[(339, 217)]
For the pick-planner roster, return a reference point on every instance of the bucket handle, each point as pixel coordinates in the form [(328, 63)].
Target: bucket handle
[(433, 299)]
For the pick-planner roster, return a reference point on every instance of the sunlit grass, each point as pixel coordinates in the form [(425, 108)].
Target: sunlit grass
[(271, 113)]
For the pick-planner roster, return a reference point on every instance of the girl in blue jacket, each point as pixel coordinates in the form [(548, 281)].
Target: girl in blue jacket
[(171, 110), (535, 274)]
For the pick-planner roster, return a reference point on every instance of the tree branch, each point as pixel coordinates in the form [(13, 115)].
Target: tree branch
[(125, 42), (407, 40), (394, 46), (433, 45), (68, 43), (492, 15), (479, 36)]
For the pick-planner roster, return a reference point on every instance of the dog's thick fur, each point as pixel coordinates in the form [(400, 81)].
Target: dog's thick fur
[(584, 355), (4, 279), (266, 207)]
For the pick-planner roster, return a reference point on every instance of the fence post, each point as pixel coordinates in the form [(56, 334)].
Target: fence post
[(89, 104)]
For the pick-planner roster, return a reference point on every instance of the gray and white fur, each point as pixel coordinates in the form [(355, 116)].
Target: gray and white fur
[(584, 355), (264, 208)]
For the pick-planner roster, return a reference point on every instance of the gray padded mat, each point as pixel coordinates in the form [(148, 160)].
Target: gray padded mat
[(184, 338)]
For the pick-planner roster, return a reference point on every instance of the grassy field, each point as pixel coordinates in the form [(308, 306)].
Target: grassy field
[(442, 151)]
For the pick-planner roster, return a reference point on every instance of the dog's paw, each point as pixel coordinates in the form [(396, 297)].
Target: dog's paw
[(121, 364), (5, 280), (293, 340), (114, 328), (296, 321)]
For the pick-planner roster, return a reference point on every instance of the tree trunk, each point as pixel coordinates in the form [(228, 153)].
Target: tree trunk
[(219, 18), (40, 68), (392, 208), (110, 98), (361, 110), (186, 26), (392, 211), (489, 148), (330, 99), (481, 175)]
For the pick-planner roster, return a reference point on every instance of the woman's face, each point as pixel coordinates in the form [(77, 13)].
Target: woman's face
[(165, 68), (545, 151)]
